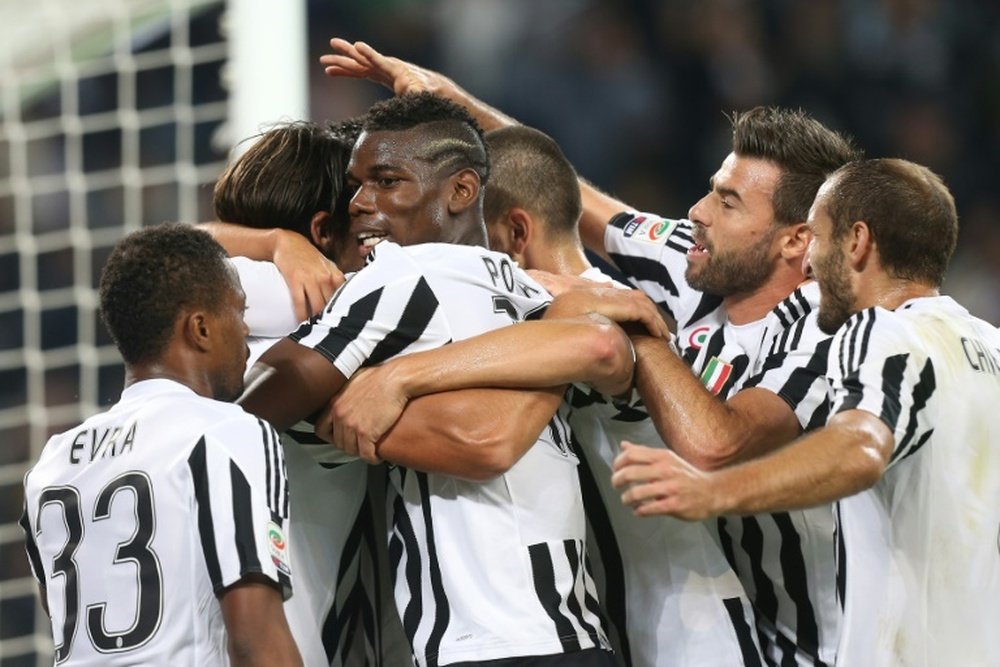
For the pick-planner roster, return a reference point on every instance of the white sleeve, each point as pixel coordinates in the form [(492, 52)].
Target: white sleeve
[(270, 310), (241, 489)]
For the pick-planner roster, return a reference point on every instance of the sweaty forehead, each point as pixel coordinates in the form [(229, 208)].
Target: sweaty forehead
[(747, 175)]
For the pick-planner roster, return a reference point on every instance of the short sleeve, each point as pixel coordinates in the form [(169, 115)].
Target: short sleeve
[(387, 309), (241, 492), (875, 366), (270, 310)]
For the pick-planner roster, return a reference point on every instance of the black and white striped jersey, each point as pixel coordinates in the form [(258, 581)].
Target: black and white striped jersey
[(483, 570), (136, 519), (339, 614), (919, 564), (784, 560), (668, 592)]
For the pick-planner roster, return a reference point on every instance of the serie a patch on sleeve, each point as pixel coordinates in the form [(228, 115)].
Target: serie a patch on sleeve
[(647, 229), (278, 546)]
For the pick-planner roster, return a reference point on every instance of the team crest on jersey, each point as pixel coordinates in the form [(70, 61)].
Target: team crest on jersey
[(649, 230), (699, 337), (278, 546), (715, 375)]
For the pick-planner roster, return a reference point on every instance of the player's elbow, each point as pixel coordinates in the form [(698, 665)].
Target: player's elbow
[(492, 452)]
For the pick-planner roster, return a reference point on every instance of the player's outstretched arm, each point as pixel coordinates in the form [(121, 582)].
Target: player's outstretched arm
[(705, 431), (257, 630), (288, 383), (359, 60), (847, 456), (312, 278)]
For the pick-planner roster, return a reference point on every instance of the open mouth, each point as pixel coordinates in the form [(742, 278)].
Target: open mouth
[(368, 240), (697, 250)]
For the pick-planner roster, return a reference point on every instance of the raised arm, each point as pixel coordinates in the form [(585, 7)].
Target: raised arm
[(312, 278), (359, 60), (704, 430)]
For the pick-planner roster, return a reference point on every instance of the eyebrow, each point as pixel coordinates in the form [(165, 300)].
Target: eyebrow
[(725, 192)]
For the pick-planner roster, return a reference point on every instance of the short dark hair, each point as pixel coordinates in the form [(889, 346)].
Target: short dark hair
[(529, 170), (907, 207), (462, 145), (804, 149), (150, 277), (291, 172)]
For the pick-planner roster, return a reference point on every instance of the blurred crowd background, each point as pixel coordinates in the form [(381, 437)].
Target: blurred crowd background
[(635, 91)]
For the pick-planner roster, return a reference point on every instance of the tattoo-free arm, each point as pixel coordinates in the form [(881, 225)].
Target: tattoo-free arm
[(359, 60), (704, 430), (473, 434), (288, 383), (256, 628), (847, 456), (311, 277)]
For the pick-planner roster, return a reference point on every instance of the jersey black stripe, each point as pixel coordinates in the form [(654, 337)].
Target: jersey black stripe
[(442, 611), (739, 365), (206, 526), (344, 609), (245, 542), (270, 466), (918, 445), (643, 269), (417, 314), (892, 382), (793, 570), (706, 305), (34, 556), (743, 632), (350, 327), (841, 559), (544, 577), (414, 607), (574, 552), (765, 600), (606, 544), (922, 392)]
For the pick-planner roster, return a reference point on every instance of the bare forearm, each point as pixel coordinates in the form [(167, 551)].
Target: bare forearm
[(531, 354), (832, 463), (240, 241), (471, 434)]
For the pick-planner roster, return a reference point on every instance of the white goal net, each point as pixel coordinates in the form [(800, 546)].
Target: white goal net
[(114, 114)]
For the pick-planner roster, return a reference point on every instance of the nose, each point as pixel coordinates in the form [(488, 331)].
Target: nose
[(360, 203), (696, 213)]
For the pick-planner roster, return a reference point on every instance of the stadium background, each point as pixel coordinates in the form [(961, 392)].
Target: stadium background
[(634, 91)]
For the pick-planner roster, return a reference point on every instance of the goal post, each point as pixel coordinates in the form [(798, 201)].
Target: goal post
[(114, 114)]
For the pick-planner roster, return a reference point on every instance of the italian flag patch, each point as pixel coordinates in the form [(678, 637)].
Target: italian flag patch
[(715, 375)]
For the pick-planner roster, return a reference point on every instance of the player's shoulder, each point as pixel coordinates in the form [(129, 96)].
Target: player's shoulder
[(651, 229)]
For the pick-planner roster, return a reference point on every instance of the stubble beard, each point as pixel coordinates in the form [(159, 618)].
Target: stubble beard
[(836, 302), (734, 272)]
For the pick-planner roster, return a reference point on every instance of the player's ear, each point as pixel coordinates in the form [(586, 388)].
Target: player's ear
[(464, 190), (196, 329), (522, 229), (795, 241), (320, 229), (861, 245)]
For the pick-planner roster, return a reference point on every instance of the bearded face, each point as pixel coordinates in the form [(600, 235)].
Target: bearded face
[(726, 271), (836, 302)]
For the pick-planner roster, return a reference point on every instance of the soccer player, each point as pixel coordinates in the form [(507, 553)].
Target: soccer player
[(289, 186), (156, 530), (909, 449), (489, 555), (731, 277), (669, 593)]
